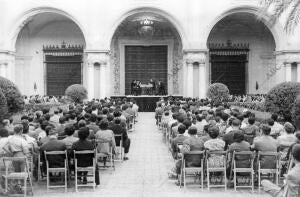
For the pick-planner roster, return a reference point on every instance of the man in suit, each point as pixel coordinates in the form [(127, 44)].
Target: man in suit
[(291, 187)]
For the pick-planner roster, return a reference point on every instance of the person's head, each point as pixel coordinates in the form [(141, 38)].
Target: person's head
[(18, 129), (62, 120), (192, 131), (117, 113), (93, 118), (181, 129), (274, 117), (199, 118), (296, 152), (110, 117), (47, 117), (289, 128), (69, 130), (266, 130), (3, 133), (25, 124), (187, 123), (118, 121), (5, 122), (180, 119), (103, 125), (251, 120), (48, 130), (270, 122), (238, 136), (213, 132), (83, 133), (81, 123), (236, 123), (297, 134)]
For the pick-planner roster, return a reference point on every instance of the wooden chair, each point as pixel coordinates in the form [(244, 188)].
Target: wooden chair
[(213, 167), (194, 169), (90, 170), (104, 152), (274, 160), (53, 169), (119, 149), (243, 162), (10, 174)]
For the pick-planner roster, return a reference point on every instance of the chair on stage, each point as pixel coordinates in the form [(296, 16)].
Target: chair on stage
[(84, 170), (243, 163), (17, 168), (57, 168), (104, 153), (268, 164), (192, 165), (216, 165)]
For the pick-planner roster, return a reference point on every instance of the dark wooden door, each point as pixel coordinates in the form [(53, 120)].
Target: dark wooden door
[(61, 72), (144, 63), (231, 71)]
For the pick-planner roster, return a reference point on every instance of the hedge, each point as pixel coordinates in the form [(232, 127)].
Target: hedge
[(259, 106), (3, 106), (296, 112), (76, 92), (218, 93), (14, 99)]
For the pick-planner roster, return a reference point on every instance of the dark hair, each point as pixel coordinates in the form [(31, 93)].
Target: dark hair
[(270, 122), (3, 132), (296, 152), (297, 134), (47, 117), (25, 126), (81, 123), (181, 129), (274, 117), (192, 131), (187, 123), (62, 120), (236, 122), (251, 120), (289, 128), (265, 129), (110, 117), (18, 128), (118, 121), (117, 114), (103, 124), (180, 118), (238, 136), (69, 130), (199, 118), (93, 118), (48, 129), (213, 132), (83, 133)]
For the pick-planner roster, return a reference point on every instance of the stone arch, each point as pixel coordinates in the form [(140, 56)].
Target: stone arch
[(26, 16), (154, 10), (276, 29)]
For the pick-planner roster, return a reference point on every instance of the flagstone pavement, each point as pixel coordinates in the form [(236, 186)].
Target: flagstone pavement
[(144, 174)]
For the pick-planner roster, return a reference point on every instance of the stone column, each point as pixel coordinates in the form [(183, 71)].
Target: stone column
[(202, 80), (190, 78), (196, 57), (3, 68), (7, 65), (100, 57), (298, 72), (288, 72)]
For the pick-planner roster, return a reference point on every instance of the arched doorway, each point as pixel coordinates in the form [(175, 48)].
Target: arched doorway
[(241, 53), (49, 54), (145, 46)]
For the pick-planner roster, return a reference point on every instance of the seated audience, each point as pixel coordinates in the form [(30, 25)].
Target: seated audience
[(179, 139), (69, 140)]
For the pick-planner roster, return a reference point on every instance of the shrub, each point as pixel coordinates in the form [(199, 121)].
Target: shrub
[(258, 106), (76, 92), (280, 99), (218, 93), (3, 106), (28, 108), (12, 94), (296, 112)]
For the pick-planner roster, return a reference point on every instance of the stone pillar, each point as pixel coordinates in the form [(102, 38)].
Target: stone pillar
[(288, 72), (3, 69), (7, 65), (189, 78), (298, 72), (100, 57), (202, 80), (199, 57)]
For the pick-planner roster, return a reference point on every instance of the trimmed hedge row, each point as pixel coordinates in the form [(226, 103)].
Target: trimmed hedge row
[(41, 106), (249, 105)]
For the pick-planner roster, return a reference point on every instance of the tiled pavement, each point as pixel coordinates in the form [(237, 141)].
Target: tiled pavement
[(145, 173)]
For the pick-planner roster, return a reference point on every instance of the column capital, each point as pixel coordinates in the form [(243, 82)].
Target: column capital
[(195, 56), (100, 57)]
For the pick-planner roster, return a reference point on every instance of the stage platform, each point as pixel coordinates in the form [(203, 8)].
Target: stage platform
[(146, 103)]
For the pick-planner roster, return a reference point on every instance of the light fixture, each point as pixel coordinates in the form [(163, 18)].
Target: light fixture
[(146, 27)]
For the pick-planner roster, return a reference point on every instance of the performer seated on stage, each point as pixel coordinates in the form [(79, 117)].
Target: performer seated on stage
[(138, 88), (161, 88), (133, 87), (153, 88)]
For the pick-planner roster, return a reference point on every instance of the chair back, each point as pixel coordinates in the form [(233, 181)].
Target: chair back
[(216, 159), (85, 158), (103, 146), (243, 159), (15, 164), (268, 160), (193, 159), (56, 159)]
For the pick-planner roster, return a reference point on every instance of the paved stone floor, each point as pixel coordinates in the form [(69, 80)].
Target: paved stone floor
[(144, 174)]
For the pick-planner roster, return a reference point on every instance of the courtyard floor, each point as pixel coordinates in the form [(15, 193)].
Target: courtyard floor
[(144, 174)]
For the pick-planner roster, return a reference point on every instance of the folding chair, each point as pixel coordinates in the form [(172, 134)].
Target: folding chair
[(119, 149), (104, 152), (90, 170), (159, 121), (268, 163), (216, 163), (131, 123), (53, 167), (192, 164), (284, 161), (243, 162), (178, 148), (11, 163)]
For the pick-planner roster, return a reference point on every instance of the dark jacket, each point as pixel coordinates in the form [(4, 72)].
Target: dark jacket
[(119, 130), (83, 160)]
